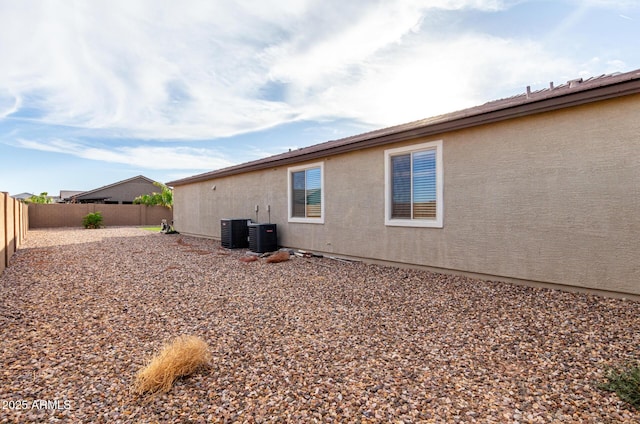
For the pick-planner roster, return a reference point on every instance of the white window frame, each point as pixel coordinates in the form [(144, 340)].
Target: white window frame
[(432, 223), (290, 172)]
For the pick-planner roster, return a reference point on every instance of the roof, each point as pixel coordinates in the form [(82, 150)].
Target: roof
[(572, 93), (22, 196), (67, 194), (86, 195)]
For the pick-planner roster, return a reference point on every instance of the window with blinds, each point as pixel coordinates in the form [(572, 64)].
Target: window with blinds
[(414, 185), (306, 195)]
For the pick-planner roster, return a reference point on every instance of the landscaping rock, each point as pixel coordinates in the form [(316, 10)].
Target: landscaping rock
[(313, 340)]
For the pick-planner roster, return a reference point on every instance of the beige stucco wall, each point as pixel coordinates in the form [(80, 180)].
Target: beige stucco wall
[(551, 198), (198, 208)]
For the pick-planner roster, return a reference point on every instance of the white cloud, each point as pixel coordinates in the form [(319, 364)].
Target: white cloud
[(8, 103), (144, 156), (425, 77), (196, 71), (173, 72), (202, 69), (609, 4)]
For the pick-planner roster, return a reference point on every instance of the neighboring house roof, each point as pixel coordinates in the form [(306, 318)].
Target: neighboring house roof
[(96, 193), (68, 194), (22, 196), (573, 93)]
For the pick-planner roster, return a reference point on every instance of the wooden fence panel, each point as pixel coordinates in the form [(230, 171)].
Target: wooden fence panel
[(4, 197), (10, 235), (13, 227)]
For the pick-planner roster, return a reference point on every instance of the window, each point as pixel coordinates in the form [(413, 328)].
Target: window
[(306, 194), (413, 185)]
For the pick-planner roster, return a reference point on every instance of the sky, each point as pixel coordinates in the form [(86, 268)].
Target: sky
[(95, 92)]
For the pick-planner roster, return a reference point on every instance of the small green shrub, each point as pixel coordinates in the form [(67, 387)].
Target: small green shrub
[(625, 382), (92, 220)]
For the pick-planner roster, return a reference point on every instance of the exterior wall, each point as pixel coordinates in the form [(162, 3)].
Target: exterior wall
[(70, 215), (548, 198), (198, 208)]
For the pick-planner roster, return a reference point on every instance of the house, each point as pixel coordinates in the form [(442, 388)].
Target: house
[(542, 188), (67, 195), (121, 192), (25, 196), (22, 196)]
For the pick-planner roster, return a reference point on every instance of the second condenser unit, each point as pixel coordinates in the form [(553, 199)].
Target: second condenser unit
[(234, 233), (263, 238)]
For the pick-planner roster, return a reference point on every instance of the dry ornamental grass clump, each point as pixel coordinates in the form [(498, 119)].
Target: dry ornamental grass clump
[(180, 358)]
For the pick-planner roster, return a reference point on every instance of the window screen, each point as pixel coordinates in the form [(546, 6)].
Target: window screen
[(414, 185), (306, 189)]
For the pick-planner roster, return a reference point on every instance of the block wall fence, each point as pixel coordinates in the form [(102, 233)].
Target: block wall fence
[(70, 215)]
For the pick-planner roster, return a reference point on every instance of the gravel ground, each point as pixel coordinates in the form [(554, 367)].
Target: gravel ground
[(308, 340)]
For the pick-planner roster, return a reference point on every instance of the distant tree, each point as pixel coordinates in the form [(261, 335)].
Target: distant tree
[(164, 198), (41, 198)]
